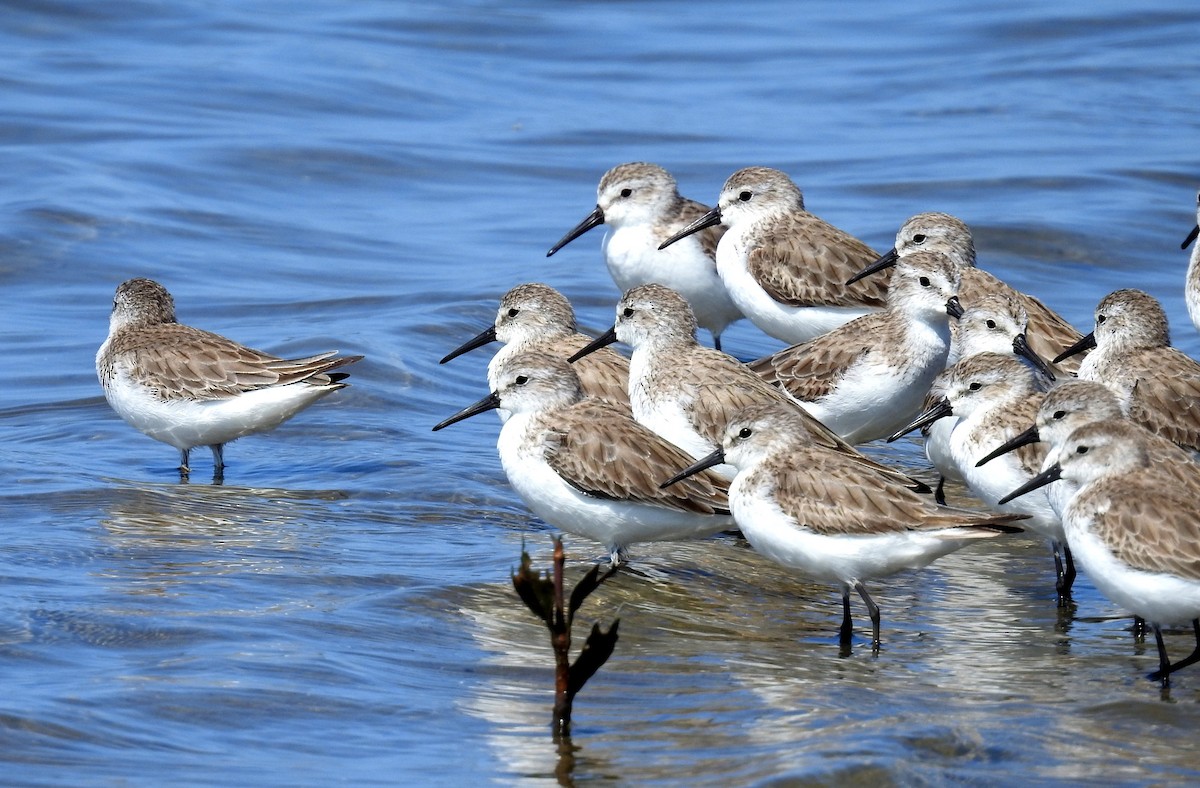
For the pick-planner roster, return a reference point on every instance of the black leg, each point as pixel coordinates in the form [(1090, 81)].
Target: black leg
[(218, 450), (1163, 673), (847, 630), (1064, 572), (1069, 575), (939, 495), (183, 462), (717, 341), (873, 610), (1194, 657)]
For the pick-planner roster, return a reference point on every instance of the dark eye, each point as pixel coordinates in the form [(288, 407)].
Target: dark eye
[(991, 324), (1059, 415), (745, 196), (627, 312), (626, 192), (975, 386), (521, 380), (514, 312), (924, 280), (919, 238), (745, 432), (1082, 450), (1100, 319)]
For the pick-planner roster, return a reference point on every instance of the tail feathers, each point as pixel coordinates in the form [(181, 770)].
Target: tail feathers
[(991, 526), (314, 370)]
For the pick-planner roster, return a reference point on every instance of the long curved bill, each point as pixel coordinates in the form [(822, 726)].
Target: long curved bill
[(1024, 439), (490, 402), (1087, 343), (707, 220), (708, 461), (1022, 349), (939, 409), (886, 261), (484, 337), (1051, 474), (594, 219), (604, 340), (1191, 237)]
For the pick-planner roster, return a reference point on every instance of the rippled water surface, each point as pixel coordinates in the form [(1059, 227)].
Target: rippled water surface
[(371, 177)]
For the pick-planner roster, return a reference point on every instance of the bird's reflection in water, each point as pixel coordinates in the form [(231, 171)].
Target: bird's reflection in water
[(169, 532)]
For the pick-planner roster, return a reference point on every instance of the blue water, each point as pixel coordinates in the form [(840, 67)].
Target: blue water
[(371, 177)]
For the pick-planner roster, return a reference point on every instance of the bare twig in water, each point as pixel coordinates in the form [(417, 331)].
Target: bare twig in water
[(545, 597)]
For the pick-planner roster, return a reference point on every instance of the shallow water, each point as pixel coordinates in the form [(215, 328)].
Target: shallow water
[(372, 177)]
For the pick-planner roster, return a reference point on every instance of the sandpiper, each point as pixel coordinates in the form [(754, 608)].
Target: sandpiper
[(587, 467), (188, 387), (641, 206), (1157, 385), (1135, 533), (784, 268), (814, 511)]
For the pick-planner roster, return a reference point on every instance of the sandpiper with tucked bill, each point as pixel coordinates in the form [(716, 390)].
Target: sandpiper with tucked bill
[(587, 467), (1135, 533), (641, 207), (1048, 332), (784, 268), (822, 514), (187, 387), (535, 316)]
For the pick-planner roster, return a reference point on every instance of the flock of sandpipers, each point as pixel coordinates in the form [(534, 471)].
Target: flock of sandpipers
[(1094, 452)]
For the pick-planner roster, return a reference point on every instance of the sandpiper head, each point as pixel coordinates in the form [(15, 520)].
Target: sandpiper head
[(627, 194), (758, 192), (1130, 320), (635, 192), (759, 430), (996, 323), (985, 379), (926, 232), (925, 284), (750, 436), (939, 232), (142, 302), (527, 313), (526, 382), (1072, 404), (1100, 449), (533, 311), (654, 315), (990, 323)]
